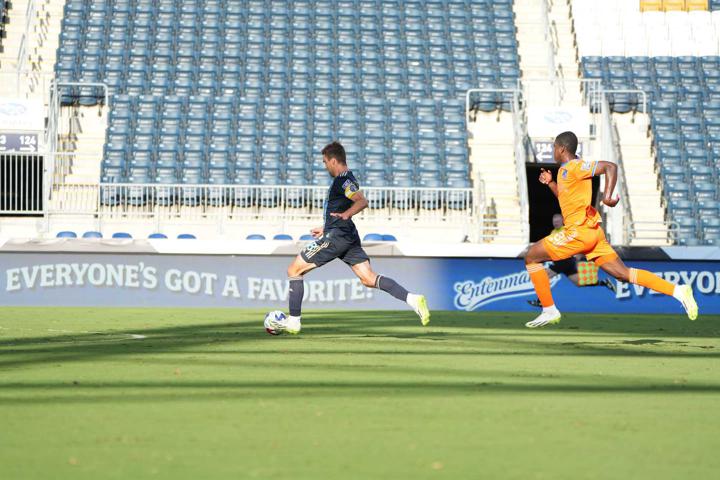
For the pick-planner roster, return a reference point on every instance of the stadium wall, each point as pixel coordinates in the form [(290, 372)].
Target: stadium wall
[(169, 273)]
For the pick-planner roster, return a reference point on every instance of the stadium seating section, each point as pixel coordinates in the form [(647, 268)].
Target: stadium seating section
[(684, 106), (248, 91)]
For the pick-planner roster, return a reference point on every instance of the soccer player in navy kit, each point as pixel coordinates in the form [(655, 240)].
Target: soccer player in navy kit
[(338, 238)]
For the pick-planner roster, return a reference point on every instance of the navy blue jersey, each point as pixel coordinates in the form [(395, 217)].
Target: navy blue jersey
[(339, 199)]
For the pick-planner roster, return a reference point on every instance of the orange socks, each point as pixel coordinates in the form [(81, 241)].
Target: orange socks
[(651, 281), (541, 281)]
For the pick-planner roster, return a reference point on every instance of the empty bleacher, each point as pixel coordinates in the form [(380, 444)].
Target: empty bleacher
[(683, 95), (248, 92)]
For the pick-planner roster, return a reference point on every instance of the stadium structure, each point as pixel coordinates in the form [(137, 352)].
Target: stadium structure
[(161, 167), (206, 117)]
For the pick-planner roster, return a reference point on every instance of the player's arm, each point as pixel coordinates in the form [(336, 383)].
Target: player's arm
[(359, 204), (546, 179), (608, 169)]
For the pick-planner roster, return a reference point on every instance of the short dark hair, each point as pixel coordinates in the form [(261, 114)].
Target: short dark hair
[(567, 140), (335, 150)]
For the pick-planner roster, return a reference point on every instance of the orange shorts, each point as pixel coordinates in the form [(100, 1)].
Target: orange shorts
[(574, 239)]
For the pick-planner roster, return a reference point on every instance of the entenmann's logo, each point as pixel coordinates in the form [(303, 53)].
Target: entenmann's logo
[(471, 296)]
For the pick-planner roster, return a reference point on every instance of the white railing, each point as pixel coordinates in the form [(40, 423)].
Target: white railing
[(51, 132), (251, 201), (610, 151), (243, 201), (491, 224), (22, 50), (652, 232), (57, 86), (497, 93), (641, 93), (21, 184), (521, 158), (553, 44)]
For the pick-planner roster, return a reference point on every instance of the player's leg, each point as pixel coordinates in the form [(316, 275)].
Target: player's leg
[(575, 279), (551, 273), (607, 283), (295, 272), (372, 280), (683, 293), (541, 281), (314, 255)]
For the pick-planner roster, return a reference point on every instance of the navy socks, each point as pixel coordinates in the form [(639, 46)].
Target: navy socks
[(297, 289), (392, 287)]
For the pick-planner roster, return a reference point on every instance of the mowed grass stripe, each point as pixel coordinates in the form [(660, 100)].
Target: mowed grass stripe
[(207, 393)]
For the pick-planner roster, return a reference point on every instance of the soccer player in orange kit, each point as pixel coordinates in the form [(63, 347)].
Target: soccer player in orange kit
[(582, 232)]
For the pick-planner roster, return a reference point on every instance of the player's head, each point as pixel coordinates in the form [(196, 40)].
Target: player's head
[(565, 147), (557, 220), (334, 158)]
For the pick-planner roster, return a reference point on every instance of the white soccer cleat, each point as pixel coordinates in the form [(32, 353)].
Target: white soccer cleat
[(545, 318), (419, 304), (684, 293), (292, 325)]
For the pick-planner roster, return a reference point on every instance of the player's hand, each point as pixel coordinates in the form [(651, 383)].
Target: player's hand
[(343, 215), (545, 176), (611, 202), (316, 232)]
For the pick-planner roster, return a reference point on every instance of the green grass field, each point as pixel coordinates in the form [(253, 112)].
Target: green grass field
[(208, 394)]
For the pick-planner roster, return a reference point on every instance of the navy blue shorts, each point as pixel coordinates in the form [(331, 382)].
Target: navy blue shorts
[(565, 267), (331, 246)]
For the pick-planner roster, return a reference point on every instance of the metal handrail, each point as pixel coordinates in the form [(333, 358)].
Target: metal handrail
[(552, 49), (520, 136), (22, 50), (514, 91), (87, 84), (667, 230), (611, 152), (520, 130), (641, 92)]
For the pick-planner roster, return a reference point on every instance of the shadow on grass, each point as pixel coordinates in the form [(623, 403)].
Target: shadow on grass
[(376, 338), (334, 344), (364, 333), (88, 393)]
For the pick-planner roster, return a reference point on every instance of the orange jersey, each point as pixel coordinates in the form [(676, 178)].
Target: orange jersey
[(575, 192)]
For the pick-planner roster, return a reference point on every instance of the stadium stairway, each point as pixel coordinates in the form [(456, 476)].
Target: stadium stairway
[(492, 156), (533, 48), (42, 44), (566, 58), (541, 57), (492, 137), (643, 188)]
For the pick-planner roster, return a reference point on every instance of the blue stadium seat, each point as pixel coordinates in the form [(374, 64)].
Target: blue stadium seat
[(66, 234), (186, 236), (373, 237), (121, 235), (255, 236), (157, 236), (201, 93), (282, 236), (92, 234)]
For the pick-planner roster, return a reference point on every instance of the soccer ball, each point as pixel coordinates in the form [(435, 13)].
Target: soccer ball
[(274, 322)]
